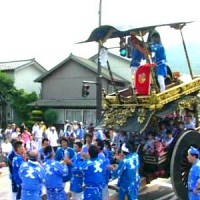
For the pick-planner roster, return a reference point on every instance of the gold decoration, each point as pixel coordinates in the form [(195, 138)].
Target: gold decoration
[(142, 78), (116, 113), (141, 115)]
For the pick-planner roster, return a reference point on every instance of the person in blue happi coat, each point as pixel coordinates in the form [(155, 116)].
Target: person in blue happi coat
[(45, 143), (16, 163), (108, 151), (87, 142), (33, 176), (159, 57), (194, 174), (77, 162), (106, 173), (80, 131), (55, 172), (11, 155), (93, 172), (137, 57), (65, 152), (127, 173)]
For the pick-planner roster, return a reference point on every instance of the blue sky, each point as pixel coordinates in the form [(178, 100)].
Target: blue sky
[(48, 29)]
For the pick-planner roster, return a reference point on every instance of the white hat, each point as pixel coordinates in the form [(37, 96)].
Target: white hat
[(125, 149)]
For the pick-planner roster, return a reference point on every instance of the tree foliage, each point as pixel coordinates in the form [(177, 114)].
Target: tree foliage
[(20, 99), (6, 85), (50, 116), (6, 89)]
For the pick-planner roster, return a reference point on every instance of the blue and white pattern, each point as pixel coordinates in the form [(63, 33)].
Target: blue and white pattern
[(194, 180), (77, 177), (17, 161), (55, 171), (93, 171), (106, 175), (159, 58), (61, 155), (129, 178), (33, 176)]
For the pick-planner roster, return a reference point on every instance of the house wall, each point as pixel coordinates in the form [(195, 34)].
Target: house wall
[(24, 79), (67, 81), (119, 65)]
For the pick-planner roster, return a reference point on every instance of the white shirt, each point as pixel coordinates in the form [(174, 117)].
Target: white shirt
[(35, 128), (15, 135), (39, 133), (53, 138), (31, 145), (6, 147)]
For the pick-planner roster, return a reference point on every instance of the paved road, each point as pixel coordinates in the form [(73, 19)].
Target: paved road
[(159, 189), (5, 186)]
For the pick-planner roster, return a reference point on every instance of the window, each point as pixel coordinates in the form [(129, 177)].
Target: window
[(73, 115), (86, 116)]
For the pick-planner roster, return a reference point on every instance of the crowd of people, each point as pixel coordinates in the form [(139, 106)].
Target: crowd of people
[(42, 162)]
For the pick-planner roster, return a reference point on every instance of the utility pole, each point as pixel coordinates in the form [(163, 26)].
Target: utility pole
[(99, 76)]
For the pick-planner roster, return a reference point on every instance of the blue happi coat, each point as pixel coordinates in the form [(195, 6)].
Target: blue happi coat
[(93, 178), (32, 175), (106, 172), (85, 148), (194, 180), (159, 58), (137, 56), (77, 176), (128, 176), (11, 155), (17, 161), (109, 154), (55, 172), (60, 155)]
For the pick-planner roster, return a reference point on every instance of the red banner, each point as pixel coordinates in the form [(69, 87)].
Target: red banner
[(143, 79)]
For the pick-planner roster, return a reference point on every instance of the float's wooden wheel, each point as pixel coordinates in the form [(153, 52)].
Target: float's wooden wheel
[(179, 166)]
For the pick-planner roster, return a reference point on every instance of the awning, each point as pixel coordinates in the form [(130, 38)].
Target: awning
[(107, 31), (65, 103)]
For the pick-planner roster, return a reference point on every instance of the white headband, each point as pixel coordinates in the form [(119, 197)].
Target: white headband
[(124, 148)]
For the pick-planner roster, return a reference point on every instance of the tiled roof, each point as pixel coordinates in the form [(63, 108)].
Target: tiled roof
[(65, 103), (12, 65), (86, 63)]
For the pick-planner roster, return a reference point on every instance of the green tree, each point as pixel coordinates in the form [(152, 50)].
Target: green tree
[(50, 116), (20, 99), (6, 89), (36, 115)]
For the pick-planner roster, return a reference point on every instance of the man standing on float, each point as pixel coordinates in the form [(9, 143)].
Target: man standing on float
[(157, 51)]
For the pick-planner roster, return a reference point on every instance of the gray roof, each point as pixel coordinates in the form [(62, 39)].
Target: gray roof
[(85, 63), (65, 103), (13, 65)]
